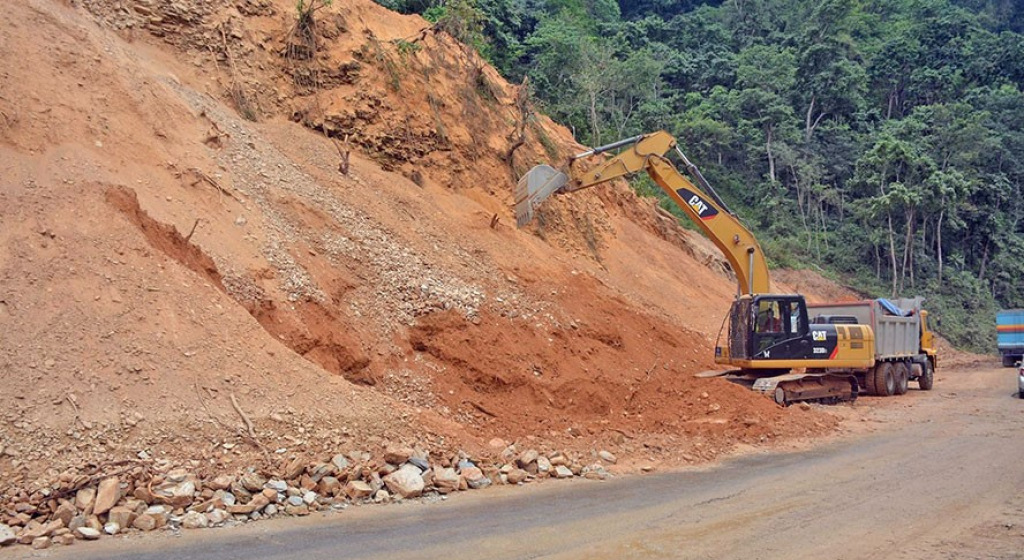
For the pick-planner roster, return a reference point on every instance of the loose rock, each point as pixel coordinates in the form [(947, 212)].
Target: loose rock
[(527, 457), (107, 495), (252, 482), (516, 476), (31, 534), (144, 522), (357, 490), (218, 516), (296, 510), (397, 455), (65, 512), (121, 516), (258, 502), (6, 535), (76, 522), (226, 498), (222, 482), (195, 520), (294, 468), (278, 485), (87, 533), (420, 463), (406, 481), (85, 498), (446, 480), (329, 486), (475, 478)]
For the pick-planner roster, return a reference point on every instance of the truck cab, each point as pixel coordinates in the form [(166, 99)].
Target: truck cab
[(1010, 335)]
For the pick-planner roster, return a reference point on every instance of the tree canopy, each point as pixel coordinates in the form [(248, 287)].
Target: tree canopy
[(880, 142)]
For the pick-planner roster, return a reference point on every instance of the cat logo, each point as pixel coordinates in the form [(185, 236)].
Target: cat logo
[(698, 205), (701, 207), (819, 336)]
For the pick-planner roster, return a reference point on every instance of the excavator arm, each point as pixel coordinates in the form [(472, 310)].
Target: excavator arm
[(701, 205)]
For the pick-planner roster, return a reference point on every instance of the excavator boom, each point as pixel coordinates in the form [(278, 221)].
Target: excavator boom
[(647, 153)]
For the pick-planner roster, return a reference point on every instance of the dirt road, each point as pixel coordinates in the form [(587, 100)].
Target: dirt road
[(929, 475)]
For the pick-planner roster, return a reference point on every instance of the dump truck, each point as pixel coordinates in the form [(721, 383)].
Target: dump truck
[(903, 346), (1010, 335)]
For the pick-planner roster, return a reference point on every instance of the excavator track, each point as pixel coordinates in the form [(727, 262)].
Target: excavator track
[(820, 387)]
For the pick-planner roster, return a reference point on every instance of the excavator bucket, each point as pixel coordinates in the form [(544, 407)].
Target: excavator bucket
[(539, 183)]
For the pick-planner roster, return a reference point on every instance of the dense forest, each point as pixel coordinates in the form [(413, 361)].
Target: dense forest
[(881, 143)]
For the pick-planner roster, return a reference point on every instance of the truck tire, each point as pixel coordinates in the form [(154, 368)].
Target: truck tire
[(927, 379), (885, 381), (1008, 361), (902, 376), (869, 383)]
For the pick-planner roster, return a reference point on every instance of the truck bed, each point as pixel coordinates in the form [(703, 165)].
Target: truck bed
[(895, 336)]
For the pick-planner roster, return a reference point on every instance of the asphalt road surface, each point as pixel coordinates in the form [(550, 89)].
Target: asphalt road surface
[(930, 475)]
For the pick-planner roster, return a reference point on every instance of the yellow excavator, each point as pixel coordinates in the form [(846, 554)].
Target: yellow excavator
[(769, 335)]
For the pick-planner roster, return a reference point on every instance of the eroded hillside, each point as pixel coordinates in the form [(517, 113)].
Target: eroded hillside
[(230, 244)]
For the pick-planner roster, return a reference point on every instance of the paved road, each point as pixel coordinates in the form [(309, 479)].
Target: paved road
[(942, 476)]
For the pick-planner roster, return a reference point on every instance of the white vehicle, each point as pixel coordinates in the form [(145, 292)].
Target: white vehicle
[(1020, 380)]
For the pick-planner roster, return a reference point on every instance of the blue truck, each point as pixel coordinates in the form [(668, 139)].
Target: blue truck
[(1010, 335)]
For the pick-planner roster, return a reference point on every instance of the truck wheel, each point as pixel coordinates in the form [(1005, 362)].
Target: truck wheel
[(902, 375), (927, 379), (1007, 361), (885, 381), (869, 384)]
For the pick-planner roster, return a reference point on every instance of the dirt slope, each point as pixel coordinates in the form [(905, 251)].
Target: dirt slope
[(177, 235)]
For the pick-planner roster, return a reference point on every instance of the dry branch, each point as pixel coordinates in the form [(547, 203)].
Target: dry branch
[(248, 423), (194, 226)]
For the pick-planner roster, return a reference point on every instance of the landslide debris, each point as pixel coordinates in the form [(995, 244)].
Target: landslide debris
[(232, 269)]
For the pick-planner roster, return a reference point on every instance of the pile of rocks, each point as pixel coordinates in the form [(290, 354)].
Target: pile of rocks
[(151, 495)]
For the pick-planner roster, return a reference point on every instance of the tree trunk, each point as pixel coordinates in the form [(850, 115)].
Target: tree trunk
[(807, 120), (938, 242), (908, 245), (771, 158), (984, 259), (803, 203), (878, 263), (892, 251), (809, 125)]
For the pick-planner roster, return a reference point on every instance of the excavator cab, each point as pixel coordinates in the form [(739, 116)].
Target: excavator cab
[(766, 327)]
